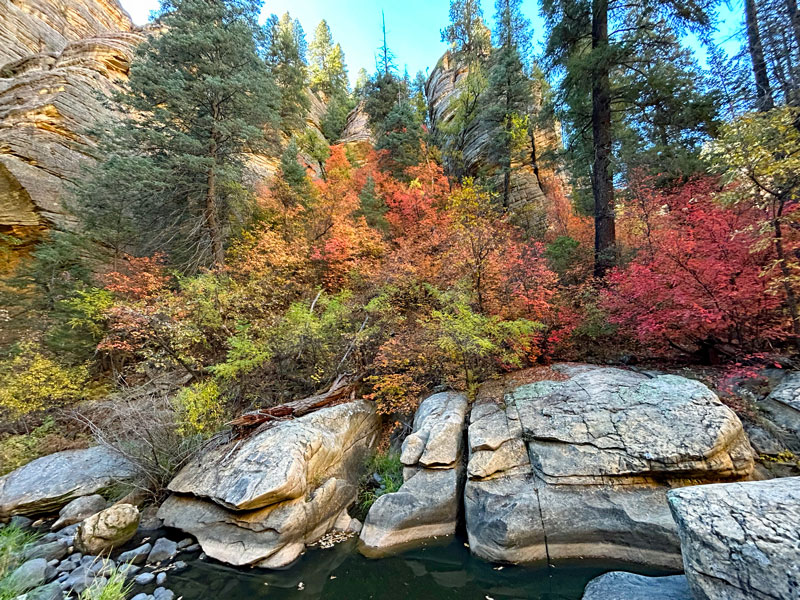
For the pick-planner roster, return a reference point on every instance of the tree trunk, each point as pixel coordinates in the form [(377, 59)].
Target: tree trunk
[(764, 100), (794, 17), (602, 180), (534, 161), (791, 298), (212, 221)]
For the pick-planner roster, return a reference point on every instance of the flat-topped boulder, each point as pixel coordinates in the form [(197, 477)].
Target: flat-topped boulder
[(260, 501), (607, 423), (782, 407), (428, 503), (740, 541), (49, 483), (579, 465)]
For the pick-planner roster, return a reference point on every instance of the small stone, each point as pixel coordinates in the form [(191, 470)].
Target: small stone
[(78, 510), (108, 529), (179, 566), (144, 579), (184, 543), (20, 521), (161, 578), (51, 591), (29, 575), (140, 596), (49, 551), (163, 594), (163, 549), (136, 556), (192, 548)]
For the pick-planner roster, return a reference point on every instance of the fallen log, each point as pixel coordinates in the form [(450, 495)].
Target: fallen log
[(259, 420)]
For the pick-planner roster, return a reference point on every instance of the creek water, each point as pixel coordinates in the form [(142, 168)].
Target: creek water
[(435, 571)]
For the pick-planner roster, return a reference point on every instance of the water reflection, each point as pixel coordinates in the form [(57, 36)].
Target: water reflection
[(438, 571)]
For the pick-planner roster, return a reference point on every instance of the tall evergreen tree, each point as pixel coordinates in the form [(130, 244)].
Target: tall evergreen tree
[(327, 65), (467, 34), (582, 46), (170, 177), (286, 56), (508, 94)]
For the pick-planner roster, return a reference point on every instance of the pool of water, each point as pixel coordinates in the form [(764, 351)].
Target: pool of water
[(437, 571)]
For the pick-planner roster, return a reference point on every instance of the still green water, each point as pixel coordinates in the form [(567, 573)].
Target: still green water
[(432, 572)]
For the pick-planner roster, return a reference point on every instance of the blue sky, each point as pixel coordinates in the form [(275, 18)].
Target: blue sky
[(412, 26)]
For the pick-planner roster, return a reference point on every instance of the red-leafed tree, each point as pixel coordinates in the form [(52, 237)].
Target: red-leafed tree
[(696, 284)]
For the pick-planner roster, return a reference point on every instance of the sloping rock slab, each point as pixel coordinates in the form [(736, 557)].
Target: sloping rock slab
[(606, 424), (270, 537), (426, 506), (741, 540), (49, 483), (282, 463), (519, 519), (619, 585)]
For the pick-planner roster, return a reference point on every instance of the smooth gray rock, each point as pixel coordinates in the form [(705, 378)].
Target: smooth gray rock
[(184, 543), (581, 467), (30, 574), (80, 579), (51, 591), (604, 423), (48, 551), (620, 585), (782, 407), (740, 540), (517, 519), (51, 482), (163, 549), (261, 502), (137, 556), (140, 596), (144, 578), (283, 462), (161, 578), (163, 594), (425, 506), (437, 438), (78, 510)]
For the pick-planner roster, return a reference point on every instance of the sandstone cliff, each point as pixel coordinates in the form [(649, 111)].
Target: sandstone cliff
[(530, 176), (56, 60)]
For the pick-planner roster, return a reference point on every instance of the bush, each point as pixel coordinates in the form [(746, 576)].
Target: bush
[(31, 381), (384, 475), (13, 542), (200, 407)]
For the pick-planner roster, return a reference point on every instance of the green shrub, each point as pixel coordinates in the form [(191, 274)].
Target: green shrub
[(389, 469), (13, 542)]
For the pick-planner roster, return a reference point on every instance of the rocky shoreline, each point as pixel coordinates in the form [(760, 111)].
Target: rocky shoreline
[(598, 462)]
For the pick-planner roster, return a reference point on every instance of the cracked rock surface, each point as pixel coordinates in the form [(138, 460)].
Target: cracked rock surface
[(260, 502), (581, 467), (740, 540)]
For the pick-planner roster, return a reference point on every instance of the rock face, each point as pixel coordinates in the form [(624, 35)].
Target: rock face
[(54, 60), (281, 489), (429, 501), (619, 585), (782, 407), (108, 529), (740, 540), (580, 468), (49, 483), (442, 88), (357, 127)]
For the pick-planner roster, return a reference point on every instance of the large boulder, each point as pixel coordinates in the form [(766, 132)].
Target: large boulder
[(49, 483), (579, 466), (108, 529), (782, 407), (740, 541), (260, 502), (619, 585), (428, 503)]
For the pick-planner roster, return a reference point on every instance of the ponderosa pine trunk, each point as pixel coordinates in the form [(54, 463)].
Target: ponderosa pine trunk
[(794, 17), (764, 99), (602, 179)]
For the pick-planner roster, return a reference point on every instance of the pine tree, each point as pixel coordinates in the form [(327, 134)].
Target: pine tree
[(467, 34), (508, 95), (401, 135), (286, 56), (170, 177), (327, 64), (418, 98), (580, 47)]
